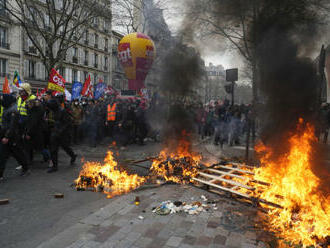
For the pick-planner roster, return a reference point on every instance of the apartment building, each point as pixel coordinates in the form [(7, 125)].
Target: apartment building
[(92, 55), (119, 80), (10, 45)]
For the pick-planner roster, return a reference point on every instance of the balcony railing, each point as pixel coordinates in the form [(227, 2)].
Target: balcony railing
[(86, 62), (75, 60), (5, 74), (5, 45)]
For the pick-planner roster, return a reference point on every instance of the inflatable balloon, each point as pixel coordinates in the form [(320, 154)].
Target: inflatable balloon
[(136, 54)]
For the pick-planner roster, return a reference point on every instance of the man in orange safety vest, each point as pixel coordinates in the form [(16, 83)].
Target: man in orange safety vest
[(111, 117)]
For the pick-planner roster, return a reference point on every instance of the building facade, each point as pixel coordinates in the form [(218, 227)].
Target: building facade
[(119, 80), (92, 55)]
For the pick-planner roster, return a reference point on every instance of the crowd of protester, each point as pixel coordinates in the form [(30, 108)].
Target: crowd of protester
[(31, 125), (222, 121)]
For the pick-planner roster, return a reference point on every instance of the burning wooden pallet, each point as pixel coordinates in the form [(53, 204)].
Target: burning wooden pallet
[(234, 178)]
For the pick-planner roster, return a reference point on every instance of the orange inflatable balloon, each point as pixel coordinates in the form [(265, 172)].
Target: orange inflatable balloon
[(136, 54)]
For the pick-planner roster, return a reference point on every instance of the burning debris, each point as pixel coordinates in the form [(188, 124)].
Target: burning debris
[(179, 165), (305, 215), (107, 178)]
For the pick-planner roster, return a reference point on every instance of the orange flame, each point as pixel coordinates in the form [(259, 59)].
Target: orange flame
[(305, 217), (107, 177), (178, 166)]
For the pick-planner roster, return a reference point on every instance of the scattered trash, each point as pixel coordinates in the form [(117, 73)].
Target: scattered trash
[(169, 207), (4, 201), (137, 201), (203, 198), (141, 217), (58, 195)]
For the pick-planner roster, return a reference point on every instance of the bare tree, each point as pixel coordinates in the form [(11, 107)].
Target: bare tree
[(242, 22), (54, 26), (135, 15)]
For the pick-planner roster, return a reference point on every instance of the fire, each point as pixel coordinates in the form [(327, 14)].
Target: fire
[(305, 217), (178, 166), (107, 177)]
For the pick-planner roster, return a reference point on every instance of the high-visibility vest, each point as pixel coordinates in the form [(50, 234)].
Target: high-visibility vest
[(111, 112), (21, 105), (1, 114)]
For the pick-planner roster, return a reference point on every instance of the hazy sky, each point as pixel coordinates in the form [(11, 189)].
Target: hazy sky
[(215, 53)]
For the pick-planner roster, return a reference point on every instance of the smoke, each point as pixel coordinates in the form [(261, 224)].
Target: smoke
[(182, 70)]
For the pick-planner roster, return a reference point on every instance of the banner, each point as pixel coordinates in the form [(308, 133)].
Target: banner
[(56, 81), (68, 96), (110, 91), (87, 90), (76, 90), (99, 90), (5, 87)]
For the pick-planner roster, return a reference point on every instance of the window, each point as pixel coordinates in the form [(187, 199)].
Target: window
[(74, 75), (96, 40), (3, 38), (106, 63), (106, 43), (106, 78), (32, 69), (96, 58), (47, 22), (3, 67), (75, 52), (3, 4), (86, 36), (86, 57)]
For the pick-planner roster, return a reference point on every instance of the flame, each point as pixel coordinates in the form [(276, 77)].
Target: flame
[(178, 166), (305, 217), (107, 177)]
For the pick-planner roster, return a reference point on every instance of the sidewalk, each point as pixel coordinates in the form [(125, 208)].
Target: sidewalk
[(119, 224)]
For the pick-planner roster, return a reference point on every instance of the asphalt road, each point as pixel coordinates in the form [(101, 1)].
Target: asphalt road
[(34, 215)]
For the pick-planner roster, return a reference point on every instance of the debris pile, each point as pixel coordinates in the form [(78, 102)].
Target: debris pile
[(193, 208)]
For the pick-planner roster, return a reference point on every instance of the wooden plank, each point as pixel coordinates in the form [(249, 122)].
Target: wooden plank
[(241, 165), (227, 173), (220, 187), (236, 169), (226, 180)]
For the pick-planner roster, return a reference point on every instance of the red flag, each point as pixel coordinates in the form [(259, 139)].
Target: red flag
[(56, 82), (5, 87), (87, 90)]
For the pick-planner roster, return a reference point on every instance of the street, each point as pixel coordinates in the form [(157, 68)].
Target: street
[(46, 219)]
